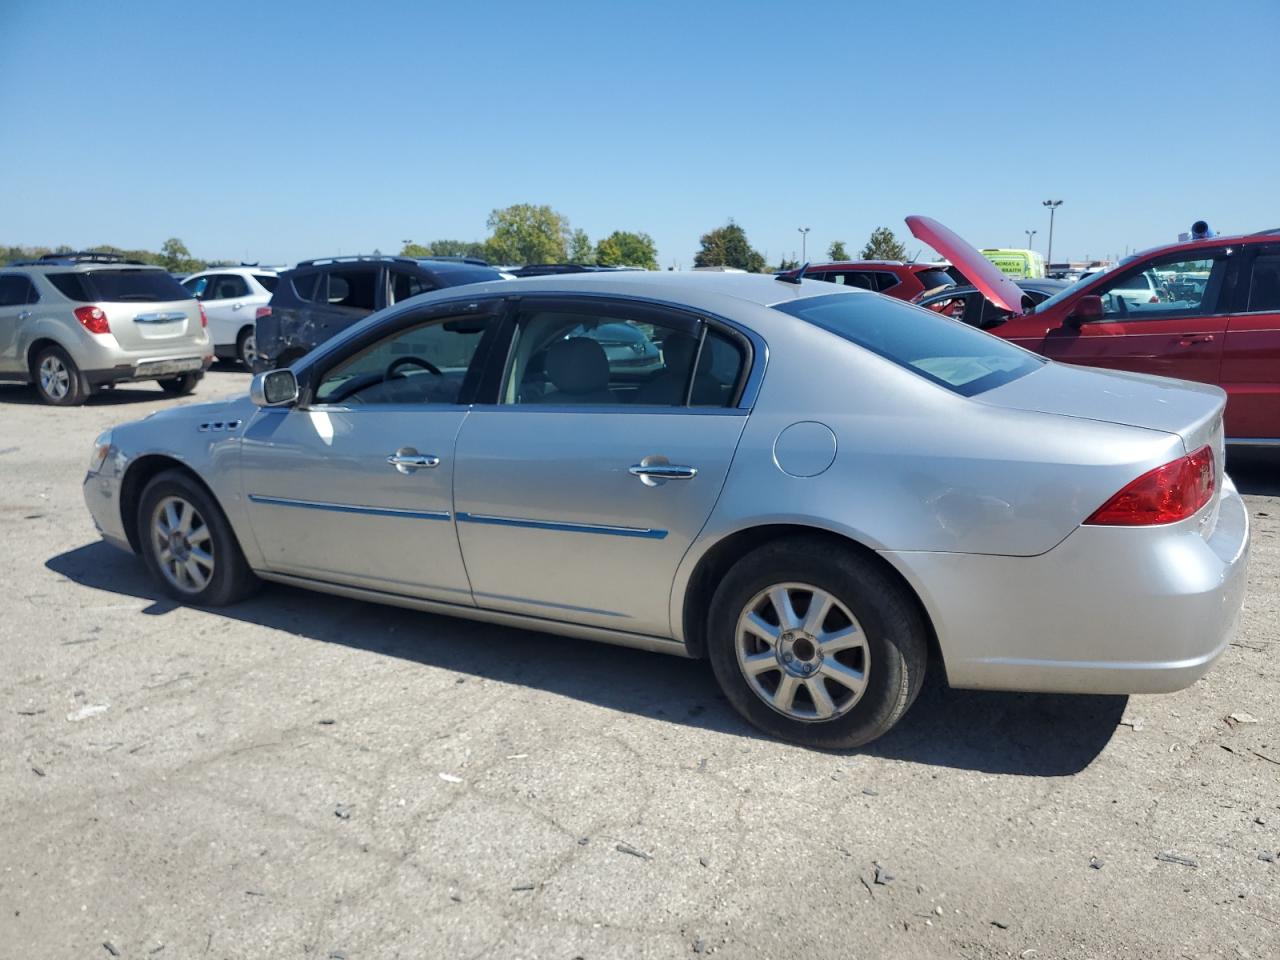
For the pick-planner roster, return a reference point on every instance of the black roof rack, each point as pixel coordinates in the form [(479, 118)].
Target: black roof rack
[(80, 256), (474, 261), (356, 258)]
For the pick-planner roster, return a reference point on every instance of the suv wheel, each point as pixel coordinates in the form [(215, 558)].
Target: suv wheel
[(816, 644), (188, 545), (57, 378), (246, 347), (180, 386)]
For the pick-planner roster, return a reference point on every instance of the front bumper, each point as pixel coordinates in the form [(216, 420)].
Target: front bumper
[(102, 496), (1110, 610)]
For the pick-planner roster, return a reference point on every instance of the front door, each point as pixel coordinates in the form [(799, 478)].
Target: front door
[(1251, 355), (1159, 317), (355, 486), (578, 493)]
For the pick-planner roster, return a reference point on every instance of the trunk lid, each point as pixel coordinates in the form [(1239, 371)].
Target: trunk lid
[(146, 308), (997, 287)]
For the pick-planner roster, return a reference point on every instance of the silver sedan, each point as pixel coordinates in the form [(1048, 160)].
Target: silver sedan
[(818, 490)]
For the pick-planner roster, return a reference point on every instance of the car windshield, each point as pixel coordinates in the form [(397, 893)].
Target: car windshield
[(946, 352), (1072, 288), (120, 286)]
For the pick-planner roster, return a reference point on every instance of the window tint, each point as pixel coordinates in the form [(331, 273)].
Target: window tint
[(267, 281), (120, 286), (424, 364), (885, 280), (304, 285), (1264, 287), (16, 290), (852, 278), (405, 285), (1170, 288), (933, 278), (353, 287), (956, 308), (619, 356), (196, 286), (227, 286), (950, 354)]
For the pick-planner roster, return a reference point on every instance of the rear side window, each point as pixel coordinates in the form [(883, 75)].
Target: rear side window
[(852, 278), (227, 286), (267, 281), (1264, 288), (119, 286), (885, 280), (304, 285), (946, 352), (405, 285), (934, 278), (353, 288), (16, 291)]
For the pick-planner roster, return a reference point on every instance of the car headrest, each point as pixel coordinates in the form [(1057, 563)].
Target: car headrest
[(677, 352), (578, 365)]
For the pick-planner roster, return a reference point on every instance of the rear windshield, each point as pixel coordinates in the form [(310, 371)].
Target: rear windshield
[(268, 282), (947, 352), (934, 278), (119, 286)]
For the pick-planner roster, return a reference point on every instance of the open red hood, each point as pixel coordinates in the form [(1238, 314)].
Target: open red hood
[(982, 273)]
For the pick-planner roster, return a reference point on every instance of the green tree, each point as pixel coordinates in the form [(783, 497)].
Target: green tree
[(580, 248), (727, 246), (883, 245), (623, 248), (415, 250), (174, 255), (784, 265), (837, 251), (527, 233), (457, 248)]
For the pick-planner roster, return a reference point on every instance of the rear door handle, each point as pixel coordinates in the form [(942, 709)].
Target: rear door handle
[(654, 474), (23, 314), (407, 460), (1189, 338)]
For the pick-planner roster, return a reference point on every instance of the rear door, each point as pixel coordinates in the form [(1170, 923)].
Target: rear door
[(1251, 353), (1177, 332), (345, 295), (17, 295), (580, 491), (226, 297)]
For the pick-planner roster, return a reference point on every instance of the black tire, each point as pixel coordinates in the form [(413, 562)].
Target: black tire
[(64, 386), (180, 386), (246, 350), (231, 579), (895, 630)]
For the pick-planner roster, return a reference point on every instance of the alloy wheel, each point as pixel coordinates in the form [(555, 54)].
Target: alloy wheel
[(55, 378), (802, 652), (183, 545)]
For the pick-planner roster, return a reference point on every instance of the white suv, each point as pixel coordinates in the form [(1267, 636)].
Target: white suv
[(71, 323), (231, 296)]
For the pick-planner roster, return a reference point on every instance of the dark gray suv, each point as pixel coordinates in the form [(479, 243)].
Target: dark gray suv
[(319, 298)]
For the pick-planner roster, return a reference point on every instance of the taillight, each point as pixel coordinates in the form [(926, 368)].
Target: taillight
[(93, 319), (1164, 495), (204, 317), (260, 313)]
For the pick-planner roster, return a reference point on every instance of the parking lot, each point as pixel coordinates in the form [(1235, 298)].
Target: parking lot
[(308, 776)]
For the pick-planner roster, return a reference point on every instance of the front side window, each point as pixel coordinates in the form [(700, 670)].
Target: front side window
[(950, 354), (1264, 285), (353, 287), (429, 363), (609, 356), (1167, 288)]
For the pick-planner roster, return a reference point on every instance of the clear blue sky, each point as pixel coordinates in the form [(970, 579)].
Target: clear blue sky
[(278, 131)]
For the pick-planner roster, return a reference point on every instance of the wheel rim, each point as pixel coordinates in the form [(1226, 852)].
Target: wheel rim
[(803, 652), (55, 378), (183, 544), (249, 352)]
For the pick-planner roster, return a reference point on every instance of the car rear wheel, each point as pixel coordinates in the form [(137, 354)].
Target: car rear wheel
[(816, 644), (57, 378), (246, 347), (188, 545), (180, 386)]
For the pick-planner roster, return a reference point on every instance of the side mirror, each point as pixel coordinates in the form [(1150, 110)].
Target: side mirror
[(1088, 309), (275, 388)]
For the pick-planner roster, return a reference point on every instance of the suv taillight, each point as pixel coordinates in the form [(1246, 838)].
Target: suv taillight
[(260, 313), (1164, 495), (93, 319), (204, 317)]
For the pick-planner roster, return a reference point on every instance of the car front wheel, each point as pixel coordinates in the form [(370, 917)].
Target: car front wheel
[(188, 545), (816, 644)]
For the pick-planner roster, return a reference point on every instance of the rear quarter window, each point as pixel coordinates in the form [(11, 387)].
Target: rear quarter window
[(267, 283), (946, 352)]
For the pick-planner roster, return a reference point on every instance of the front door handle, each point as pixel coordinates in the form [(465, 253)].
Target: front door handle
[(654, 471), (24, 314), (1189, 338), (407, 460), (237, 306)]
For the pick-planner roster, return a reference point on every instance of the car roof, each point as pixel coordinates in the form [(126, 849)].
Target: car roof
[(697, 290), (238, 268), (922, 265), (1261, 236), (65, 266)]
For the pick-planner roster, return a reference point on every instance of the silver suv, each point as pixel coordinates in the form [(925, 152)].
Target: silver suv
[(73, 323)]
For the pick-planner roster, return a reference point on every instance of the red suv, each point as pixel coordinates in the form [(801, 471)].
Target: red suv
[(1206, 310), (893, 278)]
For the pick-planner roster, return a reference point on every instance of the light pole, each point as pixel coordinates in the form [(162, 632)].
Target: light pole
[(804, 244), (1053, 206), (1030, 234)]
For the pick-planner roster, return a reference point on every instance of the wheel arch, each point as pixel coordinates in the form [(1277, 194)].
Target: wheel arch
[(33, 350), (716, 561), (136, 477)]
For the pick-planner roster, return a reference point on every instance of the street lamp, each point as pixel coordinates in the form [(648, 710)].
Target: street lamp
[(1053, 206), (1030, 234), (804, 244)]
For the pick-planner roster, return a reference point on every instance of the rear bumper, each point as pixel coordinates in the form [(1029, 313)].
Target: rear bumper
[(151, 368), (1109, 610)]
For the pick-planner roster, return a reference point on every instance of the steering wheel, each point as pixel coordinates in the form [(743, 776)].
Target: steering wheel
[(395, 365)]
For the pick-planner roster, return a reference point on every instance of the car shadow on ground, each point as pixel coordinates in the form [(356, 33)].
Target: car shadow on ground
[(1019, 734), (1255, 471), (125, 393)]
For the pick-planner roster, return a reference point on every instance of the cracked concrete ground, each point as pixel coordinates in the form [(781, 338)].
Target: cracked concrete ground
[(313, 777)]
